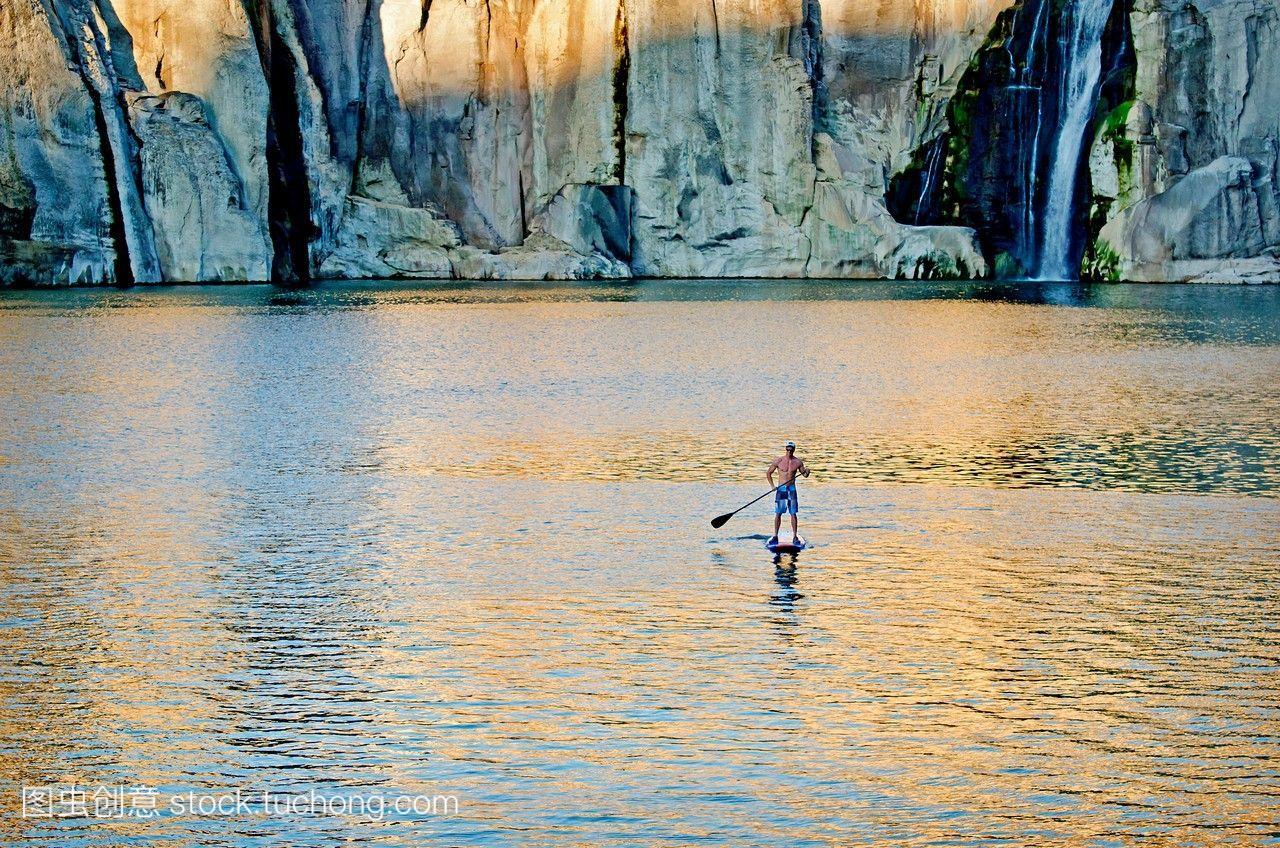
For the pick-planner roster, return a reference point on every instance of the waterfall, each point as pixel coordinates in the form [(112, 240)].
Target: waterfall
[(1080, 43), (1024, 112), (932, 171), (1024, 79)]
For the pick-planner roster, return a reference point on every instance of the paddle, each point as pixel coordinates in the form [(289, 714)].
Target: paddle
[(722, 520)]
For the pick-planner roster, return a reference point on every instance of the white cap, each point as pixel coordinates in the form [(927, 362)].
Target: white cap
[(791, 444)]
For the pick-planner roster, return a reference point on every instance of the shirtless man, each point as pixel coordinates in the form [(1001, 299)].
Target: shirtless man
[(786, 499)]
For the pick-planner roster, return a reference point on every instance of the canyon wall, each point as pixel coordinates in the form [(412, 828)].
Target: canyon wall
[(1184, 174), (158, 140)]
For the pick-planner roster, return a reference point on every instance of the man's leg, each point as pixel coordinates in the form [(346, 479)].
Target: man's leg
[(777, 524), (793, 506)]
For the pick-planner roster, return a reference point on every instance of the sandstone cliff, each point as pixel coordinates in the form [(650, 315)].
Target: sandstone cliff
[(158, 140)]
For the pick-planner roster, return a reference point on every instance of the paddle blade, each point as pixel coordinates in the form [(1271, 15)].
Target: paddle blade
[(721, 521)]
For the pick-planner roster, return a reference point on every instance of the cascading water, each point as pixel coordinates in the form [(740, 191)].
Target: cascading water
[(1080, 46), (1011, 163), (1026, 104)]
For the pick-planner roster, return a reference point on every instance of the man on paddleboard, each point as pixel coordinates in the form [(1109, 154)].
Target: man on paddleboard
[(785, 499)]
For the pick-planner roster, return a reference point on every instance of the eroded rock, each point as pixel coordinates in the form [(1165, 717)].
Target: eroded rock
[(218, 139), (1195, 174), (204, 224), (1213, 212), (385, 240), (54, 196)]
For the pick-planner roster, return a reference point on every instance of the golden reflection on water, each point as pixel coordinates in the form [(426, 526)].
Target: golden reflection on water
[(458, 548), (876, 392)]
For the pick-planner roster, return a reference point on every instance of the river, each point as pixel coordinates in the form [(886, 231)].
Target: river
[(453, 540)]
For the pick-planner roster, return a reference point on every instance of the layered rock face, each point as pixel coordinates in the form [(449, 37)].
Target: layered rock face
[(158, 140), (1185, 174), (168, 140), (56, 220)]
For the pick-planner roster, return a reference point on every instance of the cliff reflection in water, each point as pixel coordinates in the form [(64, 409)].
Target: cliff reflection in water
[(426, 541)]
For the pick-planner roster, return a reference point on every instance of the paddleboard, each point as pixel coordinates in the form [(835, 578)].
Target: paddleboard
[(781, 547)]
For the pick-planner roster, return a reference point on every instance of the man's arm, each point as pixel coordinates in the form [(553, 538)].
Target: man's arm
[(769, 474), (803, 469)]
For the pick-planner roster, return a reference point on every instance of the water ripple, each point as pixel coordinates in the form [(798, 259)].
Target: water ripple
[(454, 540)]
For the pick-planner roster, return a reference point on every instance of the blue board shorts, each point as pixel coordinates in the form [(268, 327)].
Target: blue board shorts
[(787, 500)]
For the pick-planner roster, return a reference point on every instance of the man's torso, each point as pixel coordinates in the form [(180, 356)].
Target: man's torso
[(787, 466)]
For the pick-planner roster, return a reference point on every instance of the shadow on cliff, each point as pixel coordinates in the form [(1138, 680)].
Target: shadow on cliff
[(487, 112)]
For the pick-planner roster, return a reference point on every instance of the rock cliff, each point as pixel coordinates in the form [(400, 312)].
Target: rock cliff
[(1185, 173), (158, 140)]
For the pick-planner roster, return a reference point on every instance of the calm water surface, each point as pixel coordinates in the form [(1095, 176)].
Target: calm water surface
[(454, 540)]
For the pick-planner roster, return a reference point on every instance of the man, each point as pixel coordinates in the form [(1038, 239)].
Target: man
[(786, 499)]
